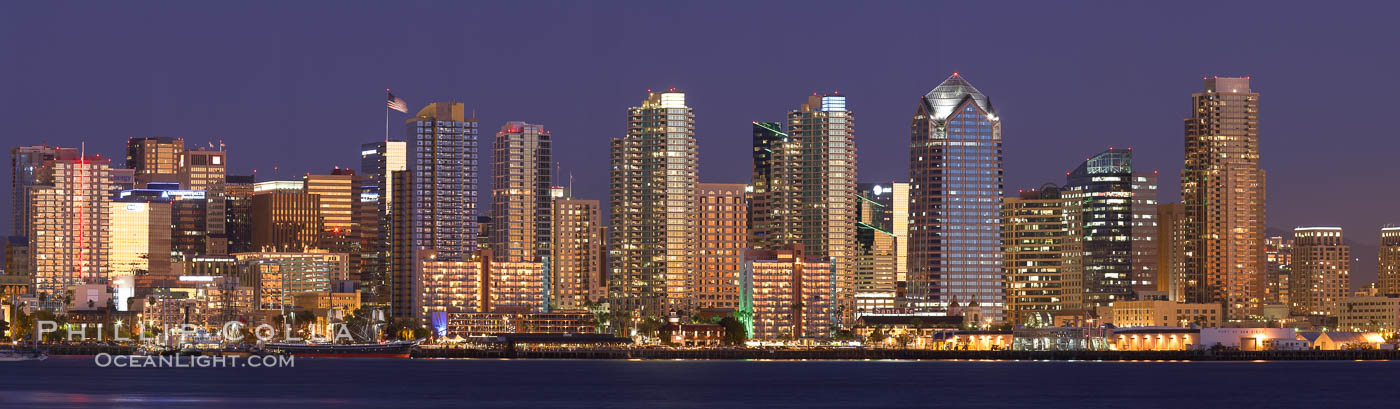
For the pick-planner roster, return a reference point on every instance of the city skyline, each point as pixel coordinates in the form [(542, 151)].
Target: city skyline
[(276, 114)]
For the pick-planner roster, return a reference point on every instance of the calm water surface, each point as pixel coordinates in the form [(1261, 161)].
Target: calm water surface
[(69, 381)]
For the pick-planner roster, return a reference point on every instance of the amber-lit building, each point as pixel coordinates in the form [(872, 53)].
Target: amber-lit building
[(477, 284), (339, 198), (652, 198), (1034, 232), (786, 295), (154, 155), (281, 276), (578, 254), (1388, 276), (1321, 275), (1171, 253), (1222, 189), (721, 232), (286, 221), (69, 226), (1156, 313), (140, 235)]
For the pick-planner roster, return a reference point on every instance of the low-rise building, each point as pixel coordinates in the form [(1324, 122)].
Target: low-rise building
[(1245, 339), (1338, 340), (468, 324), (478, 284), (1156, 339), (1369, 313), (1127, 314), (694, 335), (786, 295)]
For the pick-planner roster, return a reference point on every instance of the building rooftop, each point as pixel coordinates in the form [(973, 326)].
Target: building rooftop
[(946, 97)]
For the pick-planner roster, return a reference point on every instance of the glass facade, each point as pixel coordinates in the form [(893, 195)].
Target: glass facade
[(522, 175), (444, 145), (955, 191)]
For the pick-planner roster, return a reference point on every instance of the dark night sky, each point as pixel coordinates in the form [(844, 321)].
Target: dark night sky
[(300, 84)]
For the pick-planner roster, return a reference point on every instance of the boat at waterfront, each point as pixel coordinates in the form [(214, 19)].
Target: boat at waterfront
[(398, 349), (15, 355)]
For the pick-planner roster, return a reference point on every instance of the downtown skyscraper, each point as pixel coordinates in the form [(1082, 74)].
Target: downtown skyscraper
[(652, 200), (1116, 225), (522, 173), (1223, 190), (69, 226), (444, 158), (805, 189), (955, 172), (27, 164), (379, 161)]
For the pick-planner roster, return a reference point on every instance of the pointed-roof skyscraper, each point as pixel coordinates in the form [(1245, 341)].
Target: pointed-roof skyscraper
[(955, 176)]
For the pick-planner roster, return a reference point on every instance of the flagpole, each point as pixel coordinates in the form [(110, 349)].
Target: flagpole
[(386, 122)]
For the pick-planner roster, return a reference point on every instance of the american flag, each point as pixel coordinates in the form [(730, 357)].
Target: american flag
[(396, 103)]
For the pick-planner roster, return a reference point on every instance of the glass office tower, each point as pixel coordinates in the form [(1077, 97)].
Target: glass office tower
[(955, 172)]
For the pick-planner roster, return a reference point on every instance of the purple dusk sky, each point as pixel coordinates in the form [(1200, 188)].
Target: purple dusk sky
[(300, 85)]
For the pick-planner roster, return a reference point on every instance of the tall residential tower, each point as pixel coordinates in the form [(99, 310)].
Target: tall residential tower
[(652, 200), (1222, 189)]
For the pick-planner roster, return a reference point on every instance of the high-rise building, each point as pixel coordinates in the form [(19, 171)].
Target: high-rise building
[(786, 295), (69, 228), (339, 196), (1388, 276), (238, 212), (155, 155), (652, 206), (718, 256), (955, 174), (1119, 211), (767, 136), (577, 264), (821, 173), (877, 245), (140, 235), (1144, 233), (444, 170), (1278, 267), (1034, 234), (286, 221), (206, 170), (521, 171), (1171, 253), (27, 165), (1321, 275), (403, 288), (378, 162), (1222, 188)]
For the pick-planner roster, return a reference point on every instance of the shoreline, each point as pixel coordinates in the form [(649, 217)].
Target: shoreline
[(836, 354)]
